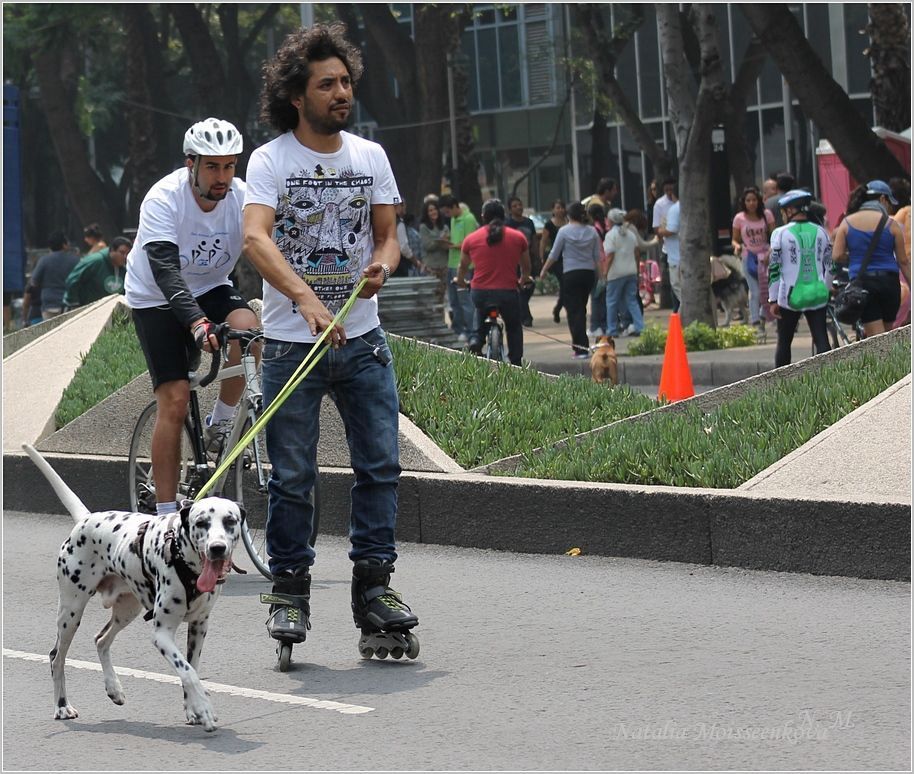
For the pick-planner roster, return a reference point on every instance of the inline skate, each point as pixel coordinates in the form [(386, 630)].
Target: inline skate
[(384, 618), (290, 611)]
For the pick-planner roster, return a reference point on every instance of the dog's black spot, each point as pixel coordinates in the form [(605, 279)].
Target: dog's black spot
[(64, 624), (72, 614), (116, 527), (70, 550), (176, 600), (53, 654), (162, 651), (166, 611), (62, 701), (75, 577), (109, 517)]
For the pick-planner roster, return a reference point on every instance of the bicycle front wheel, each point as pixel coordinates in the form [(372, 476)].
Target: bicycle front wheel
[(247, 484), (141, 481)]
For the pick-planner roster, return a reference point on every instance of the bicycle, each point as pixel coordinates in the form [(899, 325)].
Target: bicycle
[(246, 479), (493, 343), (837, 336)]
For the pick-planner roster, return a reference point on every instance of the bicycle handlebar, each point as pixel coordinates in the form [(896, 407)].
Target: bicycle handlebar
[(224, 334)]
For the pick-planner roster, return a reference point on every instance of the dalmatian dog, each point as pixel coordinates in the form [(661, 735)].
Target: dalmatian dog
[(170, 566)]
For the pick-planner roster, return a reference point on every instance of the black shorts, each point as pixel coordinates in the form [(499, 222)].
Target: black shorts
[(169, 347), (884, 298)]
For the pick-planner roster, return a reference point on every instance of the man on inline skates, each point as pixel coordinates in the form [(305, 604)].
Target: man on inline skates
[(319, 216), (188, 241)]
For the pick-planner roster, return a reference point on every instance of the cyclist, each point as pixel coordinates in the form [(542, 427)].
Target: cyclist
[(799, 275), (497, 252), (189, 239)]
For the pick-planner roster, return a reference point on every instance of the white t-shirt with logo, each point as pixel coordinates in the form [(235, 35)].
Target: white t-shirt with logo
[(322, 226), (209, 243)]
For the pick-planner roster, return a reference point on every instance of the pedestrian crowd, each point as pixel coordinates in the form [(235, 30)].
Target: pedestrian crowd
[(612, 261)]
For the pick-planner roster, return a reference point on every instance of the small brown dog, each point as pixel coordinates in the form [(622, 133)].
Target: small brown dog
[(603, 362)]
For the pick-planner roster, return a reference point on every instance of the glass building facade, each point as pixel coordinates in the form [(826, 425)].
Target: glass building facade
[(523, 113)]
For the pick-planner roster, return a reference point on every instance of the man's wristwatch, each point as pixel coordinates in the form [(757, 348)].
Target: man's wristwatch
[(386, 269)]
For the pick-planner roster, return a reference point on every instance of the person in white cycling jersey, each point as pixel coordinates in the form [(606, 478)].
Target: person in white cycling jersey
[(188, 241)]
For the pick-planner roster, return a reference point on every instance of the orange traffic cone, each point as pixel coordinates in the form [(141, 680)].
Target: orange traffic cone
[(675, 378)]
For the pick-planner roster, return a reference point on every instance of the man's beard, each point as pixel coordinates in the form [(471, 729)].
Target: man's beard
[(325, 124)]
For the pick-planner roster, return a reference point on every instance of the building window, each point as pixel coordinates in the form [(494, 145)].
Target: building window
[(514, 49)]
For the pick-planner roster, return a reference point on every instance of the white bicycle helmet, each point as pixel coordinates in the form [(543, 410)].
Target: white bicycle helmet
[(213, 137)]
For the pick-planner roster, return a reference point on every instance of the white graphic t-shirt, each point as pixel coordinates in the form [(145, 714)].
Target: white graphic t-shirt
[(209, 243), (322, 226)]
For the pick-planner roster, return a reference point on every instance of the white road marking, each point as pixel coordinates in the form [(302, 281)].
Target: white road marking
[(231, 690)]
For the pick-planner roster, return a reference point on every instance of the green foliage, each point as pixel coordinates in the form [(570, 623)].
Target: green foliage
[(652, 341), (111, 362), (548, 286), (698, 337), (478, 412), (729, 445)]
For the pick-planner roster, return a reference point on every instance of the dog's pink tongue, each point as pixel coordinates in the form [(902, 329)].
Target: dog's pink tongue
[(208, 577)]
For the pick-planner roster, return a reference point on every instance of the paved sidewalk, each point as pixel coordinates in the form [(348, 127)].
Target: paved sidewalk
[(865, 457), (35, 376), (547, 345)]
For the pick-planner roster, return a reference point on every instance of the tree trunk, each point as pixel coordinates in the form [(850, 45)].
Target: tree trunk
[(604, 48), (467, 183), (693, 117), (205, 60), (85, 191), (890, 53), (434, 35), (734, 117), (821, 98), (600, 151), (140, 168)]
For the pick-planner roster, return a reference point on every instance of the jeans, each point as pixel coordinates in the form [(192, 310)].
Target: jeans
[(754, 298), (509, 304), (360, 378), (598, 307), (676, 285), (622, 295), (461, 304)]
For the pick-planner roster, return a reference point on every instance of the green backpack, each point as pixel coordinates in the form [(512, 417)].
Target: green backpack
[(809, 292)]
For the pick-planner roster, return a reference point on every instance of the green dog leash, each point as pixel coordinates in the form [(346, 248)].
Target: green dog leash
[(305, 367)]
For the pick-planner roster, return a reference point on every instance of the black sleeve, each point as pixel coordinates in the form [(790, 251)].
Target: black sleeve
[(166, 270)]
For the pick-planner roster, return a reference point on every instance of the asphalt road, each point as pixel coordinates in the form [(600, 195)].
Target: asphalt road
[(527, 662)]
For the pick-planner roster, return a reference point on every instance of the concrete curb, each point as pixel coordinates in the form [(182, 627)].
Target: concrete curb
[(700, 526)]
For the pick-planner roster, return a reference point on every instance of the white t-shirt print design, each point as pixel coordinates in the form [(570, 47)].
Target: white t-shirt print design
[(323, 228), (322, 224)]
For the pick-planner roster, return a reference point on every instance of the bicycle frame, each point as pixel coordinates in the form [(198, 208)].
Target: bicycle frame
[(250, 404)]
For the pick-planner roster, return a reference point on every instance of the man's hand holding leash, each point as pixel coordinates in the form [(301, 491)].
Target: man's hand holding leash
[(376, 274)]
